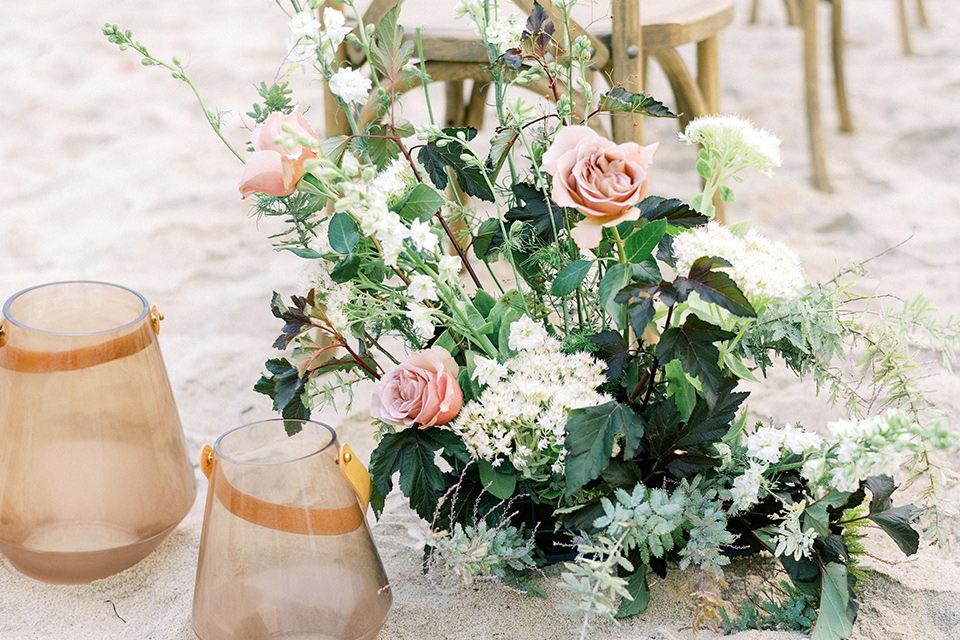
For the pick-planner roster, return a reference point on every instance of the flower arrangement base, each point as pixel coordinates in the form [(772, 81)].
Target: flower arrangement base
[(556, 545)]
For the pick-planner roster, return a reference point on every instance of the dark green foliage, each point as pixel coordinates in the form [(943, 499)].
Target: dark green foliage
[(437, 156), (619, 99), (694, 344)]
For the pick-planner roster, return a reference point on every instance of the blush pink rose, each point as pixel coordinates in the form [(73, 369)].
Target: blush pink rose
[(272, 169), (601, 179), (422, 391)]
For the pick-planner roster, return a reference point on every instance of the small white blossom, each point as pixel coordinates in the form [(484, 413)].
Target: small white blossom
[(423, 237), (304, 23), (746, 488), (422, 317), (422, 288), (350, 85), (504, 33), (488, 371), (449, 268), (764, 444), (335, 27), (526, 333)]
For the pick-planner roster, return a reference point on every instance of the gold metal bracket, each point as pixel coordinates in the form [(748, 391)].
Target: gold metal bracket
[(155, 317), (357, 474), (3, 335)]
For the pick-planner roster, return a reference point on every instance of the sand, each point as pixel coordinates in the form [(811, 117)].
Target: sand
[(109, 172)]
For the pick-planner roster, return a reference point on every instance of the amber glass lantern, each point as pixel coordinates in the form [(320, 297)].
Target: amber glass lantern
[(94, 472), (286, 551)]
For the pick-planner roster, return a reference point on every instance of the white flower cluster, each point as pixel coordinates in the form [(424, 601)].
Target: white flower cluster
[(521, 418), (763, 269), (736, 140), (395, 180), (316, 275), (350, 85), (526, 333), (306, 33), (792, 539), (765, 447)]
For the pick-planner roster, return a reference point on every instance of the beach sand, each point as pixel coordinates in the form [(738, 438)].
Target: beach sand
[(109, 172)]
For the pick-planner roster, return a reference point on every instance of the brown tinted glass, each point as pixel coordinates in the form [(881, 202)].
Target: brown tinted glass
[(94, 471), (285, 551)]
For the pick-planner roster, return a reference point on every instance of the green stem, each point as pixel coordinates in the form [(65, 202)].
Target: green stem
[(621, 255)]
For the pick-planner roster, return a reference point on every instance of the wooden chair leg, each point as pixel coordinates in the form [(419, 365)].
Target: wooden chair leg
[(922, 14), (454, 110), (793, 12), (839, 84), (473, 114), (755, 12), (708, 72), (685, 89), (904, 28), (626, 47), (812, 95)]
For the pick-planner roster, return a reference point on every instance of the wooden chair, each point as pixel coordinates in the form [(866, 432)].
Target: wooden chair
[(453, 53)]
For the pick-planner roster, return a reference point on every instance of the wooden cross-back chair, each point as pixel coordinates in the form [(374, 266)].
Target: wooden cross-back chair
[(453, 53)]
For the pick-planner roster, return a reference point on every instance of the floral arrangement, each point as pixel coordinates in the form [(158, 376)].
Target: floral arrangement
[(596, 365)]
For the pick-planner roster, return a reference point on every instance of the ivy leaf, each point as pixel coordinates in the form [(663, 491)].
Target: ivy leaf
[(881, 488), (619, 99), (500, 485), (343, 233), (833, 623), (284, 386), (589, 440), (611, 349), (636, 587), (896, 523), (694, 344), (714, 286), (570, 277), (422, 203), (639, 246), (412, 452)]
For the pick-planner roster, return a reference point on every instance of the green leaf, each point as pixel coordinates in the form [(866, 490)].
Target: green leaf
[(334, 147), (302, 252), (590, 436), (619, 99), (283, 384), (881, 488), (673, 211), (541, 218), (639, 245), (714, 286), (636, 587), (681, 388), (422, 203), (833, 623), (343, 233), (639, 301), (704, 169), (615, 279), (436, 159), (896, 523), (611, 349), (412, 452), (726, 194), (381, 149), (500, 146), (389, 51), (346, 269), (484, 235), (501, 485), (816, 516), (570, 277), (484, 302), (694, 345)]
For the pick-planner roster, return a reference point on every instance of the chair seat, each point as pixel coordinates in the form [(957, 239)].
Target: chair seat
[(666, 24)]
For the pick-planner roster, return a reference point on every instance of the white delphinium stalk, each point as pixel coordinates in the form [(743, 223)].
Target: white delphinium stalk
[(526, 333), (394, 180), (745, 491), (335, 29), (792, 539), (423, 237), (350, 85), (762, 268), (369, 207), (521, 419), (304, 36)]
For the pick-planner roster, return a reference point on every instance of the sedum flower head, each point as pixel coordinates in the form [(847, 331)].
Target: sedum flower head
[(763, 269), (521, 419), (737, 140)]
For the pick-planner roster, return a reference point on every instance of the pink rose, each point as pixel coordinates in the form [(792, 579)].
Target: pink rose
[(599, 178), (421, 391), (272, 169)]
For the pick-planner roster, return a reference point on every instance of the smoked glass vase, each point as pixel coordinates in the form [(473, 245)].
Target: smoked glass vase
[(94, 472), (285, 550)]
